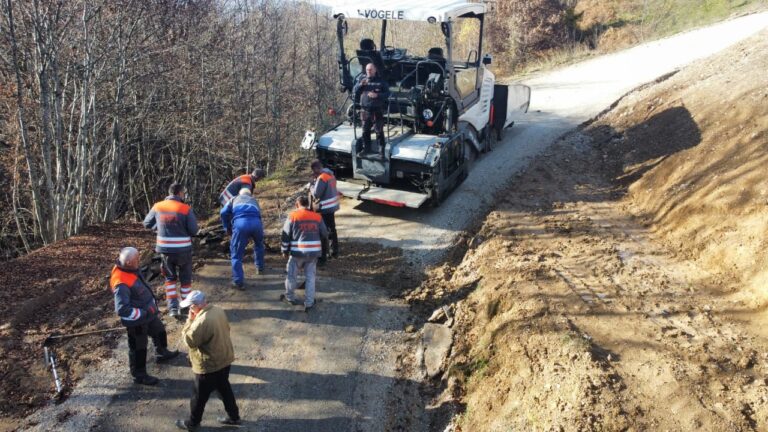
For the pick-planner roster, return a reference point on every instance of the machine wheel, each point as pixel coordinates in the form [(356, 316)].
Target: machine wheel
[(487, 139), (434, 199), (470, 154)]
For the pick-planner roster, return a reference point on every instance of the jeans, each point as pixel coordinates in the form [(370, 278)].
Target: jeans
[(294, 265), (206, 384)]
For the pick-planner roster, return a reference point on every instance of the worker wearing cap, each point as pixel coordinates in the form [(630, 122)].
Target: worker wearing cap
[(245, 180), (175, 223), (241, 218), (301, 242), (373, 93), (325, 200), (206, 333), (137, 308)]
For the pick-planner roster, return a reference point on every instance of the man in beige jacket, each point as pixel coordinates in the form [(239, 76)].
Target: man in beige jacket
[(206, 333)]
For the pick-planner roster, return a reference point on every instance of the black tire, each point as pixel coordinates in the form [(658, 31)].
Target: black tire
[(487, 139), (434, 199), (470, 154)]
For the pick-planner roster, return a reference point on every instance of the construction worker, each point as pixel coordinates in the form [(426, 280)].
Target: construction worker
[(326, 200), (137, 308), (175, 224), (241, 218), (206, 333), (246, 180), (301, 242), (373, 93)]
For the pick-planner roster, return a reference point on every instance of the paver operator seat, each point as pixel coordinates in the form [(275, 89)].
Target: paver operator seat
[(368, 53)]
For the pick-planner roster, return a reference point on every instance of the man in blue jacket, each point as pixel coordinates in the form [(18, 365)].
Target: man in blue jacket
[(137, 308), (241, 218)]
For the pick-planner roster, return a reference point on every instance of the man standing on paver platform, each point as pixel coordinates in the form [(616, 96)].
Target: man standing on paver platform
[(206, 333), (175, 223), (137, 308), (301, 242)]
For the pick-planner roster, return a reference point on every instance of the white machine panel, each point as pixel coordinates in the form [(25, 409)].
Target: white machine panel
[(518, 100)]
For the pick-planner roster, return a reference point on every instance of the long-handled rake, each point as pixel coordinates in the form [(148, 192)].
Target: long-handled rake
[(50, 354)]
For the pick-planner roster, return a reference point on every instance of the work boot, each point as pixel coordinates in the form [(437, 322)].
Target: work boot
[(164, 354), (228, 421), (186, 425), (145, 379), (137, 360), (284, 298)]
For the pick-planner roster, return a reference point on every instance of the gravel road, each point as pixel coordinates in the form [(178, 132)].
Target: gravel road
[(335, 369), (329, 370), (561, 100)]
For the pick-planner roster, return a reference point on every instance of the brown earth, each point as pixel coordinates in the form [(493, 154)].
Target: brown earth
[(617, 284), (58, 288), (62, 288)]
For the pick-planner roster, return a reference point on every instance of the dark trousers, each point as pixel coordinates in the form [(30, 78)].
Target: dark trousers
[(205, 385), (138, 339), (177, 269), (330, 222), (373, 119)]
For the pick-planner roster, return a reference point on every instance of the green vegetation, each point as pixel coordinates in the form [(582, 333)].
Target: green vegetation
[(659, 18), (576, 29)]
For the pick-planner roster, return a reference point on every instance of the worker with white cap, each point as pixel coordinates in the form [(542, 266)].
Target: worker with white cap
[(206, 333)]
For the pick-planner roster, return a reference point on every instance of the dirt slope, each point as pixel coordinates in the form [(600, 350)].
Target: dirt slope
[(61, 287), (577, 315), (710, 198)]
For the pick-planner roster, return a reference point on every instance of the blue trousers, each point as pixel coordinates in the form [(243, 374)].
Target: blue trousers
[(243, 230)]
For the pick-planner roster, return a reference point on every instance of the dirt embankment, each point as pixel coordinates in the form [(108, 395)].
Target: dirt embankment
[(615, 286), (58, 288), (707, 199)]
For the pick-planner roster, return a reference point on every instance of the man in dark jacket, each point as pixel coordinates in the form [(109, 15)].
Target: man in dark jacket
[(245, 180), (325, 200), (373, 93), (136, 306), (301, 242), (175, 223)]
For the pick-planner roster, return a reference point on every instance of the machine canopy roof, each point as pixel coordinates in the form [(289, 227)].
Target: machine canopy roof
[(404, 10)]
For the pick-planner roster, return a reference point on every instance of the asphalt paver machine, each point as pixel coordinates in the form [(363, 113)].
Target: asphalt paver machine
[(442, 113)]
